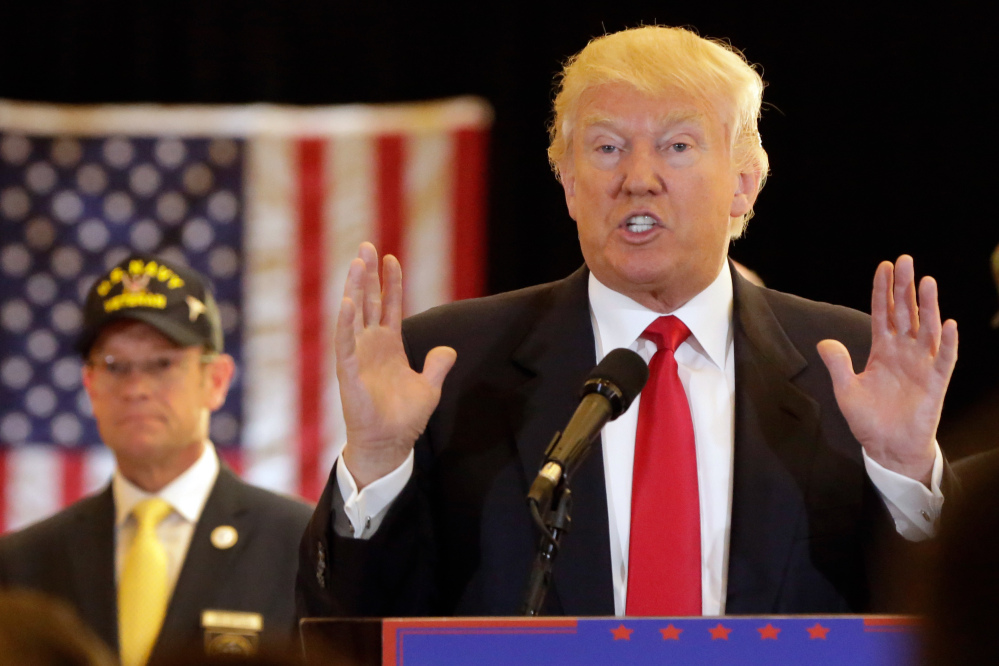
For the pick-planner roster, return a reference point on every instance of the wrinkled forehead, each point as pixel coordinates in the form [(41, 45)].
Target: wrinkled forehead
[(123, 335), (596, 119), (662, 109)]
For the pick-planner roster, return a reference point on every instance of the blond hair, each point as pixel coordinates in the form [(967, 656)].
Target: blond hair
[(655, 59)]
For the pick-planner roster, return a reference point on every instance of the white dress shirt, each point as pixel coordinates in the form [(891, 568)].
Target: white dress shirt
[(706, 365), (186, 495)]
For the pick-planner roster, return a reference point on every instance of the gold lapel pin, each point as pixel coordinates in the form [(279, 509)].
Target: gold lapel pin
[(224, 537)]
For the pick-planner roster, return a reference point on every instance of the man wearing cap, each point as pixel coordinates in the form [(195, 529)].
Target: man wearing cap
[(177, 550)]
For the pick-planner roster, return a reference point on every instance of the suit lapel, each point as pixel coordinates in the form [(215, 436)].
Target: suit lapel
[(205, 566), (776, 425), (558, 354), (92, 563)]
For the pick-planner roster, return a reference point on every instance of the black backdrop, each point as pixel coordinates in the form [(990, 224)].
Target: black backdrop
[(880, 122)]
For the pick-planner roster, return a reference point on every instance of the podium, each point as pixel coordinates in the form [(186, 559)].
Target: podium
[(731, 640)]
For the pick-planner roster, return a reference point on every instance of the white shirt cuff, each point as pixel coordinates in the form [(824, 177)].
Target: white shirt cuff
[(914, 507), (365, 508)]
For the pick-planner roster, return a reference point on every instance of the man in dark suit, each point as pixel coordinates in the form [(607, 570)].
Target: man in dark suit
[(801, 483), (225, 551)]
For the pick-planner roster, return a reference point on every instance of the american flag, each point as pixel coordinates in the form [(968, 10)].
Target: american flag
[(271, 203)]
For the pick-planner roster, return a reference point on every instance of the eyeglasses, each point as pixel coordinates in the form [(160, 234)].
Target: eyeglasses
[(162, 368)]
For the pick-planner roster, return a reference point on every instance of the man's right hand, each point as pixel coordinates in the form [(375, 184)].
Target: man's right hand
[(386, 404)]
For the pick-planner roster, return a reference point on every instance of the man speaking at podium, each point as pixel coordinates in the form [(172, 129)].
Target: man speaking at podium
[(765, 476)]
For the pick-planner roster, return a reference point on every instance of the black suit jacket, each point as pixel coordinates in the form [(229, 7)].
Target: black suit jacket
[(71, 555), (807, 524)]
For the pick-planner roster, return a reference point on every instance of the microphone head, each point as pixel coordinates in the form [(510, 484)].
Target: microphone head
[(619, 377)]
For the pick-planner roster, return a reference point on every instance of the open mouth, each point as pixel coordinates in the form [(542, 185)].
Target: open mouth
[(638, 224)]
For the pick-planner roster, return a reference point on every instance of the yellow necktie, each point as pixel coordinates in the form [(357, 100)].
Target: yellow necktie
[(143, 587)]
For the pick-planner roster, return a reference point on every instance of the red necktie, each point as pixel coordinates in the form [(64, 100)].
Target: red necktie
[(664, 558)]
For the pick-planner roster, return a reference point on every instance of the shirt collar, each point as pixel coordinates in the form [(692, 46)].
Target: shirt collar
[(708, 315), (186, 494)]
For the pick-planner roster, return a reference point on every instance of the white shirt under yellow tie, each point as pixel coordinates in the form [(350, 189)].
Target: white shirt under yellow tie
[(187, 495)]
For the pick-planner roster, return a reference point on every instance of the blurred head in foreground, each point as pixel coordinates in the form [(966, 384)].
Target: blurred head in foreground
[(39, 630)]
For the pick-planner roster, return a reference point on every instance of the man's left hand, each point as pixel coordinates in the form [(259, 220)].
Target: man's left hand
[(893, 407)]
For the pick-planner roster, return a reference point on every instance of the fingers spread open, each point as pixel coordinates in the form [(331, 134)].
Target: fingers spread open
[(344, 341), (905, 317), (881, 299), (837, 359), (391, 292), (353, 290), (929, 315), (947, 354), (438, 363), (372, 286)]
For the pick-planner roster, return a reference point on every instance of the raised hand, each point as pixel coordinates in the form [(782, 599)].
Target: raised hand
[(893, 407), (386, 404)]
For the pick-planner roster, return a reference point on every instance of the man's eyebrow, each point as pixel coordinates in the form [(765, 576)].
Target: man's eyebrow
[(680, 116), (594, 119), (667, 120)]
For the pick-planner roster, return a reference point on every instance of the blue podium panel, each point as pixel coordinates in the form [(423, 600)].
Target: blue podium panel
[(817, 641)]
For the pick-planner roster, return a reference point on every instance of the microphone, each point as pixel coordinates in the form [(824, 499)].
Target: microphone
[(606, 394)]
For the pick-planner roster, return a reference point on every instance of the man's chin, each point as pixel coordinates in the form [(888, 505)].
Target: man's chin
[(637, 276), (661, 287), (139, 442)]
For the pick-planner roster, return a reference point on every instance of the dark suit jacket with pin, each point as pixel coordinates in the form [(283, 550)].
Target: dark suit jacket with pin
[(71, 556), (808, 528)]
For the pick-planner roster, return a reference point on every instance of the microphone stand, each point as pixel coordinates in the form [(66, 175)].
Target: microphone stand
[(605, 395), (556, 521)]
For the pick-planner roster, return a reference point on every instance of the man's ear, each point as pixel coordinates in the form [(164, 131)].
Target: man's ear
[(747, 187), (219, 374)]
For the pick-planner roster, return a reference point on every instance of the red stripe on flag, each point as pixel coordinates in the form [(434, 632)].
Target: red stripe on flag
[(389, 194), (468, 260), (311, 331), (72, 476), (233, 458)]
